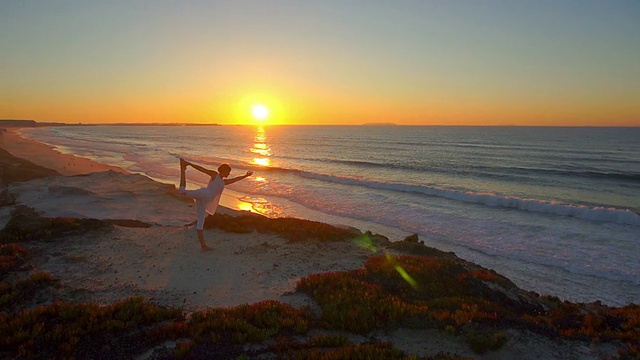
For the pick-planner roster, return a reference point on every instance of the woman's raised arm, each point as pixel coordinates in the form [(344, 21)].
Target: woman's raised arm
[(209, 172)]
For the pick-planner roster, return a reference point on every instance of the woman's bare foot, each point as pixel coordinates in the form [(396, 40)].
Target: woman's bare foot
[(203, 244)]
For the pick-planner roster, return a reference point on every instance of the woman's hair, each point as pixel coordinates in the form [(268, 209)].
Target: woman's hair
[(224, 167)]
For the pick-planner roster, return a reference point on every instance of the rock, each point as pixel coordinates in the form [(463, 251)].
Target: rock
[(413, 238)]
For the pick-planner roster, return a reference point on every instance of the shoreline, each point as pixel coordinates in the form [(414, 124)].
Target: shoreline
[(42, 153)]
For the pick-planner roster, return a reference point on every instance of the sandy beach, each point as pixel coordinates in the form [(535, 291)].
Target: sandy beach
[(159, 258), (44, 155)]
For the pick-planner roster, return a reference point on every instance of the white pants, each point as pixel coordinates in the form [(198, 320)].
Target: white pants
[(202, 197)]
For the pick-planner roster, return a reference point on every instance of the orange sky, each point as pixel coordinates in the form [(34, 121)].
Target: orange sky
[(426, 63)]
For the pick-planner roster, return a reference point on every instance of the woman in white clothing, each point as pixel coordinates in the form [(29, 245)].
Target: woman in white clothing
[(207, 198)]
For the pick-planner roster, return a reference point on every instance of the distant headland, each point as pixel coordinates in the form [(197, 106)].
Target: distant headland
[(33, 123), (27, 123)]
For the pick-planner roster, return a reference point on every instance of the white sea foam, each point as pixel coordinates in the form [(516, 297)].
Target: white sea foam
[(622, 216)]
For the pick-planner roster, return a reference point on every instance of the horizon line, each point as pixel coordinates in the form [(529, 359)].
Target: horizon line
[(32, 122)]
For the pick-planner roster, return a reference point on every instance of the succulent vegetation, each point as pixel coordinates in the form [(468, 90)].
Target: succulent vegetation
[(430, 292), (289, 228), (12, 257), (70, 330)]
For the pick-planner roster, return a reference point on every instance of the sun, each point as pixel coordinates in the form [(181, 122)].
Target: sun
[(260, 112)]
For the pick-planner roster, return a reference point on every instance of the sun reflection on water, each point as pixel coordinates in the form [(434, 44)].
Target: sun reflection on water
[(244, 206), (261, 161), (261, 148), (262, 152), (260, 206)]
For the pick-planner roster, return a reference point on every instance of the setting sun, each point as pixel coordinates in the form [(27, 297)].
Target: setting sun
[(259, 112)]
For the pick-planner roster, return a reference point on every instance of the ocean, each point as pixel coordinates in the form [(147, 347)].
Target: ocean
[(554, 209)]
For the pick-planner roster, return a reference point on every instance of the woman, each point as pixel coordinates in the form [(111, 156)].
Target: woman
[(207, 198)]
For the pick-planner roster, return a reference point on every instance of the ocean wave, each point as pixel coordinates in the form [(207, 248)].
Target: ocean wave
[(585, 173), (83, 142), (597, 213), (623, 273), (356, 163), (512, 172)]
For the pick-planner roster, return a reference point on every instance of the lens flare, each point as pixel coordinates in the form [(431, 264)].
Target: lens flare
[(406, 276), (366, 242), (403, 273)]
